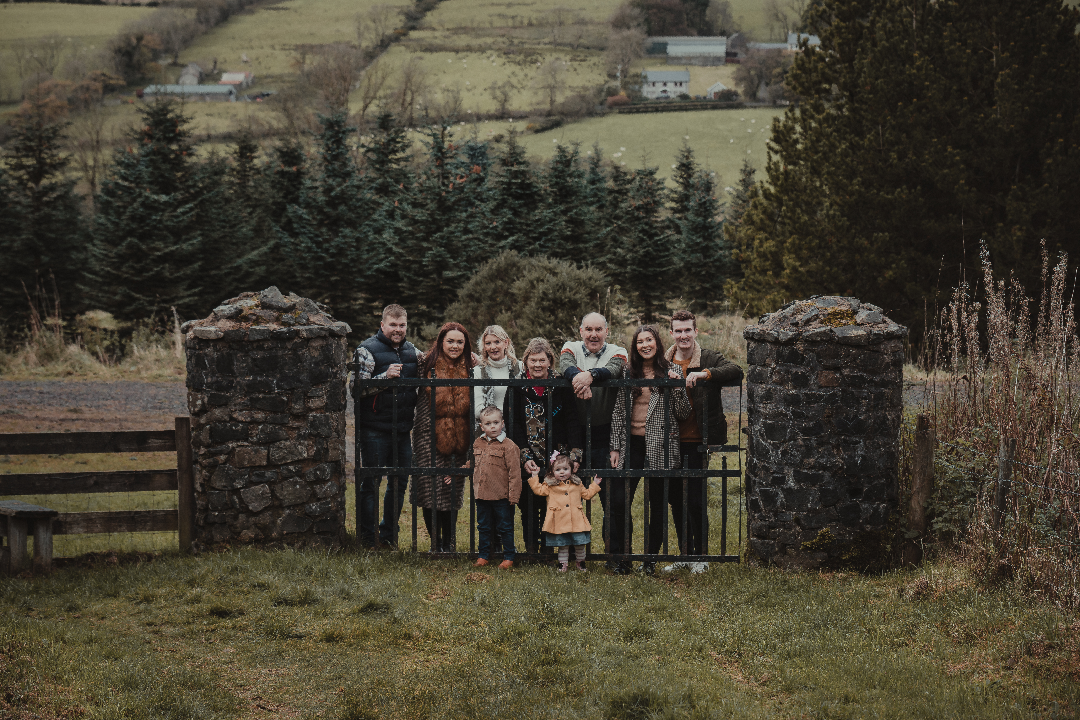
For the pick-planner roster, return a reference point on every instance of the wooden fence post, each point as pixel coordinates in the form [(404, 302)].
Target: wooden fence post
[(185, 484), (1006, 453), (922, 474)]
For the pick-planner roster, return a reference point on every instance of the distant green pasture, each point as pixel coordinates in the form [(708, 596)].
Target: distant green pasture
[(269, 34), (89, 23)]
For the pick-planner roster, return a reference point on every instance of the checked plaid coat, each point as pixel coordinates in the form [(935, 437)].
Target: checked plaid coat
[(654, 427)]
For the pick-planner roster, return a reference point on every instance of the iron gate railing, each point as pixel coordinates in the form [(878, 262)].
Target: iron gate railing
[(665, 385)]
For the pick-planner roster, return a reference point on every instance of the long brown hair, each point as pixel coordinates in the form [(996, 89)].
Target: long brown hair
[(433, 354), (637, 363)]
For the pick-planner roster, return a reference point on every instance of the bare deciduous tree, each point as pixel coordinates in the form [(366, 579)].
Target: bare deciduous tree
[(627, 17), (371, 86), (549, 80), (45, 54), (412, 85), (624, 47), (335, 73), (89, 143), (501, 93), (374, 27), (442, 107), (720, 18)]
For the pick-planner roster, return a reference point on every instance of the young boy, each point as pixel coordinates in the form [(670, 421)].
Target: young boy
[(496, 486)]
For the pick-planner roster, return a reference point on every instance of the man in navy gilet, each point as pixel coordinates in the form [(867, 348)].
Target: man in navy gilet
[(387, 354)]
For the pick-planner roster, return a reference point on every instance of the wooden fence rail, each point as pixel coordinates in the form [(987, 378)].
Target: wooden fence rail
[(181, 480)]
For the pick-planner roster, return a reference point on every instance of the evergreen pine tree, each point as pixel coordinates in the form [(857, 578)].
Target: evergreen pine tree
[(328, 243), (703, 258), (565, 216), (145, 253), (440, 257), (685, 171), (922, 129), (648, 250), (516, 201), (45, 233)]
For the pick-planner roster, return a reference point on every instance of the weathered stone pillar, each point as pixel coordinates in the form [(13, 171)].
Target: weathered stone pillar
[(266, 392), (824, 403)]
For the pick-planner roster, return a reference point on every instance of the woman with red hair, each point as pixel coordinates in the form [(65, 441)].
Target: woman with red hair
[(441, 496)]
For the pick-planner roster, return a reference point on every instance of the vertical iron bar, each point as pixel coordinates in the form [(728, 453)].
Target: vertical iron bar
[(470, 461), (395, 436), (665, 397), (723, 509), (357, 463), (703, 538), (742, 473), (434, 475), (625, 479), (549, 443)]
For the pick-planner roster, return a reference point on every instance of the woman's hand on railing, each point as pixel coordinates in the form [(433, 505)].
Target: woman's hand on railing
[(614, 459), (447, 479)]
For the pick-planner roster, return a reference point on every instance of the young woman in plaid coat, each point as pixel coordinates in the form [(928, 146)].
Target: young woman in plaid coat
[(645, 446)]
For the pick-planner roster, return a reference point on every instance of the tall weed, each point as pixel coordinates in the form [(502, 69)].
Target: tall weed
[(997, 375)]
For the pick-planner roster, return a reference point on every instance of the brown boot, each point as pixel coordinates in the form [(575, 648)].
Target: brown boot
[(506, 564), (480, 562)]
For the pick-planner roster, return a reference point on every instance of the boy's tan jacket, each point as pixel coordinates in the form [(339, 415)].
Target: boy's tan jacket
[(564, 509), (496, 469)]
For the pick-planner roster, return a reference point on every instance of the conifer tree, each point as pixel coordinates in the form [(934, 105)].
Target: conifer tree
[(516, 201), (704, 259), (328, 243), (45, 234), (440, 258), (565, 217), (685, 170), (922, 129), (147, 235), (649, 247)]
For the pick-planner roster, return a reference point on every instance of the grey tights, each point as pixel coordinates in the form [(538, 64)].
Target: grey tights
[(564, 553)]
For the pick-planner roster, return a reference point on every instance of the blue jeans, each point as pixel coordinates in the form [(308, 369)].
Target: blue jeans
[(377, 450), (495, 517)]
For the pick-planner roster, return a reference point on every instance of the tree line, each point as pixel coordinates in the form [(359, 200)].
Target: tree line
[(353, 221)]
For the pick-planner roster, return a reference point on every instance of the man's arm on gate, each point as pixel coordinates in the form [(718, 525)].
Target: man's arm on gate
[(613, 367), (365, 363), (568, 363)]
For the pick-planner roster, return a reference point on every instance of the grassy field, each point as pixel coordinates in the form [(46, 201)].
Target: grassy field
[(721, 139), (252, 634)]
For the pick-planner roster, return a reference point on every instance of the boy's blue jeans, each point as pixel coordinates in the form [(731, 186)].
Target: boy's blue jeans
[(377, 450), (495, 523)]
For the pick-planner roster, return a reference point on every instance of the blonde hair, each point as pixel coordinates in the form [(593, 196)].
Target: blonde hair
[(490, 410), (549, 478), (498, 332)]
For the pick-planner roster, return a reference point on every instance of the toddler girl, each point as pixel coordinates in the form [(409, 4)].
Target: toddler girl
[(565, 524)]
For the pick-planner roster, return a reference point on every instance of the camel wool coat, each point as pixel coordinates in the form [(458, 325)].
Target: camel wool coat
[(564, 509)]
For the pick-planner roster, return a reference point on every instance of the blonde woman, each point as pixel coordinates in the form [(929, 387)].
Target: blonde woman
[(497, 362)]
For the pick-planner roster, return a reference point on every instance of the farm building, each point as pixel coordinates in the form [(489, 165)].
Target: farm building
[(205, 93), (713, 93), (665, 84), (237, 79), (685, 50)]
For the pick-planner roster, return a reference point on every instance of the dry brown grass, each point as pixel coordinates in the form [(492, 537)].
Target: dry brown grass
[(1001, 373)]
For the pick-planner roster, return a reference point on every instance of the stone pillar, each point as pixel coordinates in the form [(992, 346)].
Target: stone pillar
[(266, 392), (824, 404)]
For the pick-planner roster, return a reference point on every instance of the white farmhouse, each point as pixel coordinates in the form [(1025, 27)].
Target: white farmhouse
[(665, 84)]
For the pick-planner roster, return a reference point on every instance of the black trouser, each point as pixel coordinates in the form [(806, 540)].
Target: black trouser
[(695, 497), (447, 530), (697, 526), (617, 498)]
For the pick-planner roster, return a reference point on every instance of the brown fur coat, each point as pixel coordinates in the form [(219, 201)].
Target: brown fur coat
[(452, 426)]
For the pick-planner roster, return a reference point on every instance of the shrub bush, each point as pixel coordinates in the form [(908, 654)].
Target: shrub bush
[(530, 297)]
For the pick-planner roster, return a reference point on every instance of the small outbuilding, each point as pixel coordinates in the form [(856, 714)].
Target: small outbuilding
[(665, 84), (713, 93), (689, 50), (237, 79)]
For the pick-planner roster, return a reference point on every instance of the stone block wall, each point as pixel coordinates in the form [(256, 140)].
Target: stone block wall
[(824, 404), (266, 391)]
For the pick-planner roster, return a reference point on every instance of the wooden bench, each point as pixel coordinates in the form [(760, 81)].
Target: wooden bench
[(16, 518)]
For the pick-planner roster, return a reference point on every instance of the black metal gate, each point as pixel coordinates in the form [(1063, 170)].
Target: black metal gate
[(423, 467)]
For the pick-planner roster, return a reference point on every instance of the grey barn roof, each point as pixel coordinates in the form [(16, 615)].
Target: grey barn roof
[(667, 76), (189, 90)]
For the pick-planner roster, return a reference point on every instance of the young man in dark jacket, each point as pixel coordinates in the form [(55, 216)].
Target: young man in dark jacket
[(386, 354), (706, 371)]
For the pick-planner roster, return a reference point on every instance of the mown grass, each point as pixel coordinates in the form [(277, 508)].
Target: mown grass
[(347, 635)]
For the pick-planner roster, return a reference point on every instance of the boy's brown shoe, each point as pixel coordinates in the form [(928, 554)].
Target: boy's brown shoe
[(481, 562), (506, 564)]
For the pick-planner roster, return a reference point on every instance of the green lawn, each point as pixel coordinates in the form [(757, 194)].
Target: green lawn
[(312, 634)]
